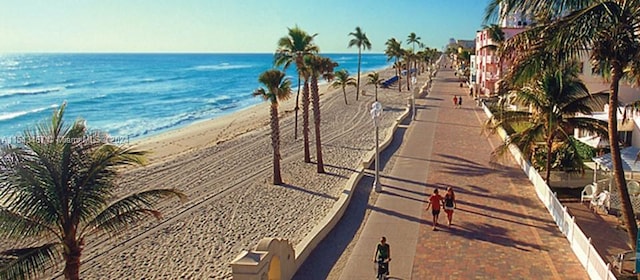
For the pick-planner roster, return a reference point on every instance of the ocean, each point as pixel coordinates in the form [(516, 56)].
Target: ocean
[(137, 95)]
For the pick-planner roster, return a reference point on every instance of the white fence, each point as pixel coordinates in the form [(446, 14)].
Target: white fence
[(593, 263)]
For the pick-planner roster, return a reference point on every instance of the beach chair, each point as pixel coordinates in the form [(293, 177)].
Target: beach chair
[(601, 201), (587, 193), (620, 259)]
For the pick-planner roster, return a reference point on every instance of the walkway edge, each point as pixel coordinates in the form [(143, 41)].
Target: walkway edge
[(320, 231)]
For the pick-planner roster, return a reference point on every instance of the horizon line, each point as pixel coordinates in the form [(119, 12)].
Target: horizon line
[(159, 52)]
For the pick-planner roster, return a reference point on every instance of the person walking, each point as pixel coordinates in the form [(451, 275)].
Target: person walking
[(455, 101), (460, 101), (449, 204), (434, 203)]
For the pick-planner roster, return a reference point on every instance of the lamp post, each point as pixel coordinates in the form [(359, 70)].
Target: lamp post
[(414, 81), (376, 114)]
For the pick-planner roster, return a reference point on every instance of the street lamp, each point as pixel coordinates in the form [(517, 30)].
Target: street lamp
[(414, 81), (376, 114)]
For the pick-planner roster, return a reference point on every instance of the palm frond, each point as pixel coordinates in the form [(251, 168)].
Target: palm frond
[(129, 210), (14, 225), (27, 263)]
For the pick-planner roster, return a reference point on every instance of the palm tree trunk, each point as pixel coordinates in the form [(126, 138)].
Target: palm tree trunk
[(409, 75), (399, 74), (72, 258), (358, 83), (376, 92), (618, 171), (275, 143), (295, 129), (344, 92), (305, 121), (548, 163), (315, 95)]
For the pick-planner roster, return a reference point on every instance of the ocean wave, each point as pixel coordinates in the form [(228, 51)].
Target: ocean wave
[(158, 80), (31, 84), (34, 91), (218, 99), (13, 115), (221, 66)]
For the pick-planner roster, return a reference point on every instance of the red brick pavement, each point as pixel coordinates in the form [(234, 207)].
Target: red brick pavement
[(500, 228)]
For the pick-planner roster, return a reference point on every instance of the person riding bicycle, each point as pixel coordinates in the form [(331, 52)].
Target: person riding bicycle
[(382, 256)]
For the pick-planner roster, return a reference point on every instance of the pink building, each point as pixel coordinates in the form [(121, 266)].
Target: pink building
[(488, 69)]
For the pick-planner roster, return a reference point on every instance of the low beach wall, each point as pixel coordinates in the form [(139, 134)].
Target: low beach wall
[(261, 261)]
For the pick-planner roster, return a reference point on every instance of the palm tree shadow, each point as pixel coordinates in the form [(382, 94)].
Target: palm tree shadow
[(492, 234), (296, 188)]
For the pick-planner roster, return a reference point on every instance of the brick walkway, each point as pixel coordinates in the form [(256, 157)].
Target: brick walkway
[(500, 229)]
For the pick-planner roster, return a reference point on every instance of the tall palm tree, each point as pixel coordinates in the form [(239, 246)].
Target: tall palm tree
[(277, 88), (342, 80), (305, 72), (58, 188), (394, 51), (407, 56), (412, 39), (374, 79), (361, 41), (607, 30), (553, 97), (318, 66), (292, 49)]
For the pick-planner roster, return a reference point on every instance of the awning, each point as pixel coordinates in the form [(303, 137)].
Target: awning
[(595, 141), (629, 157)]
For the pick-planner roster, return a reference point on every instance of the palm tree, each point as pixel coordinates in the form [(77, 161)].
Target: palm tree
[(58, 188), (342, 80), (374, 79), (394, 51), (407, 56), (292, 49), (412, 39), (608, 31), (305, 72), (277, 88), (554, 97), (361, 41), (319, 66)]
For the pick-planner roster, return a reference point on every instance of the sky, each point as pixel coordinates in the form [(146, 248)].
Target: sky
[(229, 26)]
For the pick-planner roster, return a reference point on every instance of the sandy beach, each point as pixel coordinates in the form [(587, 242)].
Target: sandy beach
[(224, 167)]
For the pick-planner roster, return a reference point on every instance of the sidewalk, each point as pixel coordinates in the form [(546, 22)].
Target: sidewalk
[(500, 229)]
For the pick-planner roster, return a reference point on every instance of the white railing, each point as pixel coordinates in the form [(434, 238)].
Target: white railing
[(581, 245)]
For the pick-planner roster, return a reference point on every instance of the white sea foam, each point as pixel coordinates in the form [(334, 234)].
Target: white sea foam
[(221, 66), (13, 115), (32, 91)]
